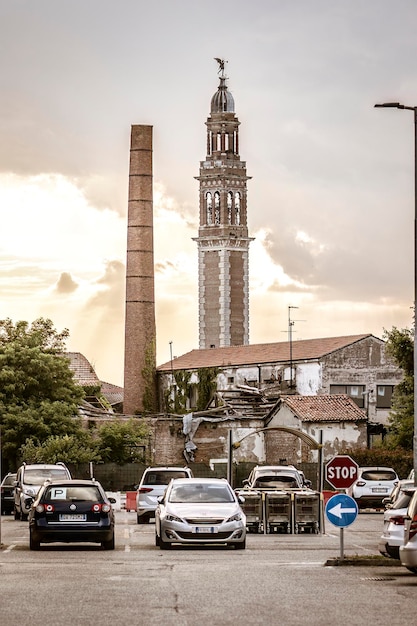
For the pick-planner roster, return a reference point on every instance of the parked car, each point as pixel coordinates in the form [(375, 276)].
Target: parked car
[(279, 477), (71, 511), (372, 486), (408, 551), (153, 483), (394, 517), (7, 493), (199, 511), (29, 479)]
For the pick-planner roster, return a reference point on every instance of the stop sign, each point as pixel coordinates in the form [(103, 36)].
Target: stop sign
[(341, 471)]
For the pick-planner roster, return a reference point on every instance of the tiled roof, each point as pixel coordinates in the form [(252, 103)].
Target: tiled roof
[(84, 373), (326, 408), (306, 349)]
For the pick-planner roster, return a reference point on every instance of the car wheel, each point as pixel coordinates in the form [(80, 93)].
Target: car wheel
[(143, 519), (164, 545), (412, 569), (16, 514), (108, 545), (34, 544), (157, 540), (23, 516), (241, 545)]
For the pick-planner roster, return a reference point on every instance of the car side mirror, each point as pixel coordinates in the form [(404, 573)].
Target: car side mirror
[(112, 500), (160, 499), (241, 499), (245, 482)]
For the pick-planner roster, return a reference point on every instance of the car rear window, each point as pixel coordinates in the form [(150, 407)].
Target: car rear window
[(73, 493), (38, 476), (379, 475), (163, 478), (9, 480), (197, 492)]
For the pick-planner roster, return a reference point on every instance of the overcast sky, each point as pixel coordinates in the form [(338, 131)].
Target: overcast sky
[(330, 203)]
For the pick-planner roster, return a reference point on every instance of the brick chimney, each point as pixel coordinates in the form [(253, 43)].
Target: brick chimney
[(140, 328)]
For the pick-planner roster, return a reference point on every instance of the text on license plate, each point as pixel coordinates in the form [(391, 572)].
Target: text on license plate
[(379, 490), (72, 517), (205, 529)]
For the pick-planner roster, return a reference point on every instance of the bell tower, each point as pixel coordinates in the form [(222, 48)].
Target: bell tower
[(223, 241)]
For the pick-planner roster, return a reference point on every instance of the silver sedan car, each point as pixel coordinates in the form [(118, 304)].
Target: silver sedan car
[(199, 511)]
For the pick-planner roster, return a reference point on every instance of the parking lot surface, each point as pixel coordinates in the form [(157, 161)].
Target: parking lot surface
[(278, 579)]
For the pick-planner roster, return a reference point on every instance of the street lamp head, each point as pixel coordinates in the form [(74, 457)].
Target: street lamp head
[(391, 105)]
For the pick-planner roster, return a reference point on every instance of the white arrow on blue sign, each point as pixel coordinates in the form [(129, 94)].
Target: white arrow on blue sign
[(341, 510)]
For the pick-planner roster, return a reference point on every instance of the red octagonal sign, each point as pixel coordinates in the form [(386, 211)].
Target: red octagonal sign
[(341, 471)]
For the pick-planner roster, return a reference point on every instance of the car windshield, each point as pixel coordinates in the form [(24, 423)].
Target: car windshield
[(162, 478), (61, 492), (38, 476), (200, 492), (379, 475), (281, 481)]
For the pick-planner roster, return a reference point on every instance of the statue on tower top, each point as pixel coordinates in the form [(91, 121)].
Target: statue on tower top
[(221, 63)]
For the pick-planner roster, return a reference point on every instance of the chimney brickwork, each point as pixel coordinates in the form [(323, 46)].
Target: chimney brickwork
[(140, 327)]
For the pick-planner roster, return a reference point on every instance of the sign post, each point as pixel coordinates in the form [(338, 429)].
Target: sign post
[(341, 509)]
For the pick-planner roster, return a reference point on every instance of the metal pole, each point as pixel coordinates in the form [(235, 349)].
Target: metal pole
[(415, 298), (342, 544), (230, 458)]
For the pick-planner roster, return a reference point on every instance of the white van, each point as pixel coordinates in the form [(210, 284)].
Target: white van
[(29, 480)]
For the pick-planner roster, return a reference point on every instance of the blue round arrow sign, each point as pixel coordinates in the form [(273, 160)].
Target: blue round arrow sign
[(341, 510)]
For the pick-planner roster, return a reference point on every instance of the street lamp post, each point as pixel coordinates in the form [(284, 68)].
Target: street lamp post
[(397, 105)]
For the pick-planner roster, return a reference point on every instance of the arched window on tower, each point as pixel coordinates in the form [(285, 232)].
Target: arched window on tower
[(209, 208), (229, 207), (237, 207), (216, 207)]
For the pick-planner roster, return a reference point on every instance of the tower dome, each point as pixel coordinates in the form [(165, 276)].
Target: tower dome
[(222, 101)]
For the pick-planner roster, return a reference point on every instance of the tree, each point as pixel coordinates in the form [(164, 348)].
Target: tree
[(400, 346), (122, 442), (76, 449), (38, 395)]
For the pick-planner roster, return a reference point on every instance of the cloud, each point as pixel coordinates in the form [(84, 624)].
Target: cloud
[(66, 284)]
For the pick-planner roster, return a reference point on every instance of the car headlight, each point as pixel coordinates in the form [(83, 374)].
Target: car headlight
[(172, 518), (235, 518)]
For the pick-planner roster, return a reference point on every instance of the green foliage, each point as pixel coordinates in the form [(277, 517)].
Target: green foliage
[(149, 377), (400, 460), (207, 385), (122, 442), (181, 391), (38, 395), (400, 346), (75, 449)]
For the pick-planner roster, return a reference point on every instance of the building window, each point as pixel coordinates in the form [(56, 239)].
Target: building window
[(209, 207), (216, 207), (356, 392), (237, 208), (229, 206), (384, 396)]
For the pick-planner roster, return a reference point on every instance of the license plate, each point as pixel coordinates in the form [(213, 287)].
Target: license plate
[(205, 529), (72, 517), (379, 490)]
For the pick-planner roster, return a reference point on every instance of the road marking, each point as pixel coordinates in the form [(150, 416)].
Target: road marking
[(126, 533), (10, 548)]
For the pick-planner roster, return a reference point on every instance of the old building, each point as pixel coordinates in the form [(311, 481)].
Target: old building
[(356, 366), (223, 241)]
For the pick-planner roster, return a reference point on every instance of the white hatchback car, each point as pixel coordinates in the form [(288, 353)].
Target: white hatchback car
[(408, 551), (200, 511), (394, 517), (372, 486), (153, 483)]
